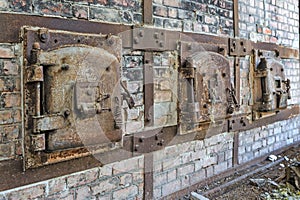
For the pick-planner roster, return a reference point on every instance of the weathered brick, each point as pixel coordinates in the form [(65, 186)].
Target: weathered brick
[(105, 171), (128, 165), (126, 193), (6, 52), (160, 11), (84, 193), (173, 24), (105, 186), (172, 3), (157, 192), (8, 100), (80, 12), (172, 12), (125, 180), (3, 6), (33, 192), (56, 185), (220, 167), (160, 179), (10, 133), (7, 150), (210, 160), (185, 181), (6, 117), (188, 169), (183, 14), (105, 14), (9, 68), (66, 195), (9, 84), (171, 187), (209, 171), (82, 178), (53, 8), (101, 2), (138, 176), (197, 176)]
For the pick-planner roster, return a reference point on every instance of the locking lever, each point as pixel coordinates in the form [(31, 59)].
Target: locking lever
[(128, 98), (232, 100)]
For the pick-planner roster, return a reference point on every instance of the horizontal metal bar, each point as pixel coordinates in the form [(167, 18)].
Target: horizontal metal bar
[(10, 25)]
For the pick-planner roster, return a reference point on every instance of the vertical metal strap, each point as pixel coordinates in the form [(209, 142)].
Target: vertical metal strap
[(237, 79), (149, 89), (148, 12), (236, 18), (148, 176), (235, 149)]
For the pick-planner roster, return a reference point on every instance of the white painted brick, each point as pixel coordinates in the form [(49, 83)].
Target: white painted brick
[(126, 193), (172, 175), (105, 186), (184, 170), (256, 145), (197, 176), (210, 160), (160, 179), (157, 193), (199, 154), (171, 187), (220, 167), (185, 181)]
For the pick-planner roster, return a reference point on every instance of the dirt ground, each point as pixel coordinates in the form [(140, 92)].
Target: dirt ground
[(280, 181)]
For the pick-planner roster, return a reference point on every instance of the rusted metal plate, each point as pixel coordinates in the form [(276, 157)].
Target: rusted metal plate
[(270, 88), (10, 25), (281, 51), (203, 97), (153, 140), (78, 101), (239, 47), (244, 122), (153, 39)]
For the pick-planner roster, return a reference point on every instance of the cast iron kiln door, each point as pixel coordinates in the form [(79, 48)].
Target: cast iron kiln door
[(72, 94)]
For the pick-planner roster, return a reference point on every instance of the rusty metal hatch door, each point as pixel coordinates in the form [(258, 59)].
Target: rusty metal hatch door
[(271, 89), (72, 94), (206, 97)]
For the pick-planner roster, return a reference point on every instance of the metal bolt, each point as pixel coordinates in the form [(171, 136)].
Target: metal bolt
[(36, 45), (161, 44), (141, 33), (65, 67), (136, 40), (67, 113), (110, 41), (233, 43), (89, 92)]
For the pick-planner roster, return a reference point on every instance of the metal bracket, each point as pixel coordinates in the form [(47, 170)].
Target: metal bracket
[(238, 123), (149, 39), (239, 47), (34, 73), (38, 142), (47, 123), (149, 141)]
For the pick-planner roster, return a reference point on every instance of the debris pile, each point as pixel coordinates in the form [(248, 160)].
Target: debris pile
[(286, 186)]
